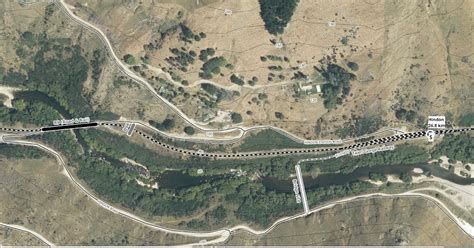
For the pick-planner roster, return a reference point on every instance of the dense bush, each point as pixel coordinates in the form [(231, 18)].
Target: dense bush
[(458, 147), (129, 59), (353, 65), (166, 124), (189, 130), (236, 79), (236, 117), (337, 85)]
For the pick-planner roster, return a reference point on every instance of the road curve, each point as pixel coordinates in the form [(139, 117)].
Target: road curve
[(222, 234), (124, 69), (458, 221), (24, 229)]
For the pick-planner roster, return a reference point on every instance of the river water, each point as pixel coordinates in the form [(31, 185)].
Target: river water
[(322, 180)]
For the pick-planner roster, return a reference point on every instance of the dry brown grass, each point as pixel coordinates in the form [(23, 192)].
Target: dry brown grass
[(13, 237), (419, 54), (398, 221), (37, 196)]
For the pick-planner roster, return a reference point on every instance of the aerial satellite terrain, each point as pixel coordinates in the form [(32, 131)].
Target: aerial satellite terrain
[(237, 123)]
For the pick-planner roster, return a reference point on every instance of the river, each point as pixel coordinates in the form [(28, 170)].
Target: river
[(322, 180)]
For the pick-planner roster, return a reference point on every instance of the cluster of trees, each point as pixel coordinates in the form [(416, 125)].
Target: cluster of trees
[(26, 111), (205, 53), (322, 194), (166, 124), (59, 71), (402, 155), (187, 34), (211, 67), (337, 85), (360, 126), (376, 176), (97, 61), (456, 147), (467, 120), (405, 115), (276, 14), (112, 179), (21, 152), (181, 58)]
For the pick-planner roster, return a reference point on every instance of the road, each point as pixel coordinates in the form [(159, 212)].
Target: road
[(463, 226), (24, 229), (219, 236), (136, 78), (281, 152)]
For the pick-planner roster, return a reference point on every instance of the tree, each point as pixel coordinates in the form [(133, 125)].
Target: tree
[(405, 177), (219, 213), (279, 115), (353, 65), (236, 79), (236, 117), (189, 130), (276, 14), (129, 59)]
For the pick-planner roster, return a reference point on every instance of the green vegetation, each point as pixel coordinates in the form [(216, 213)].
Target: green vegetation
[(360, 126), (209, 88), (203, 54), (276, 14), (236, 117), (279, 115), (322, 194), (266, 140), (26, 111), (165, 125), (97, 61), (375, 176), (21, 152), (187, 34), (211, 67), (466, 120), (217, 93), (405, 177), (337, 85), (129, 59), (236, 79), (181, 59), (246, 199), (29, 39), (457, 147), (402, 155), (189, 130), (405, 115), (353, 66)]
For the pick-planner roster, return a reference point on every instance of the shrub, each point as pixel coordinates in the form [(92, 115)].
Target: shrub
[(279, 115), (129, 59), (236, 117), (236, 79), (189, 130), (353, 65)]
